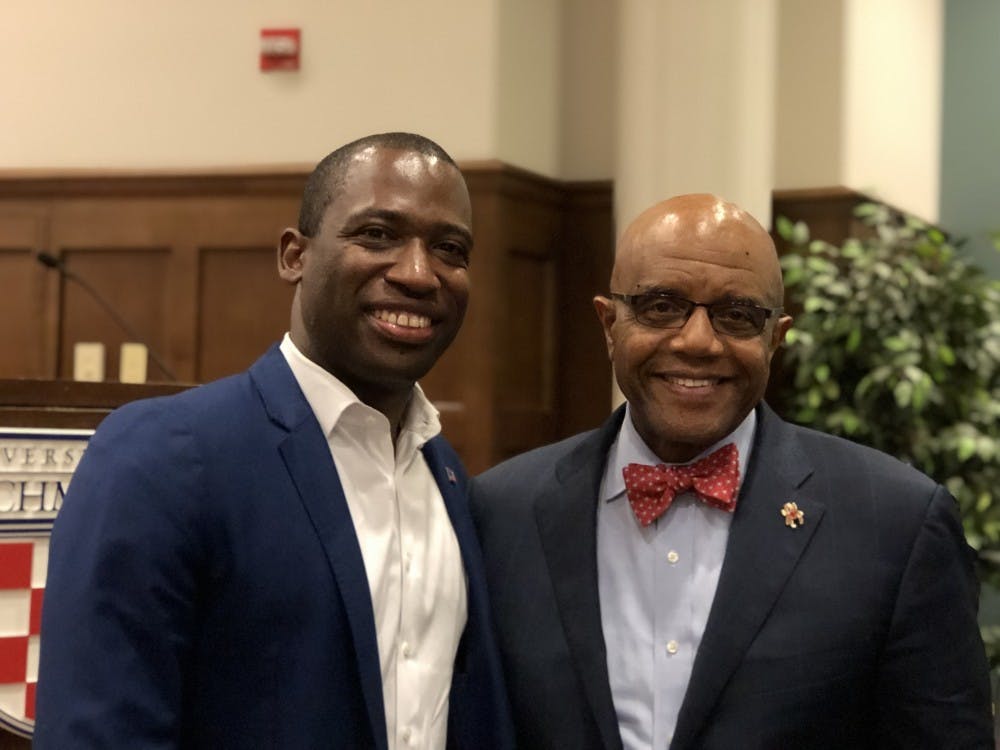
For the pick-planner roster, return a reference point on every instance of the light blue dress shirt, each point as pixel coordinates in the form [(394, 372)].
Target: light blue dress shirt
[(656, 587)]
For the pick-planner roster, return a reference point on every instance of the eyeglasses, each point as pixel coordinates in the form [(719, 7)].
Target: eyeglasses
[(740, 320)]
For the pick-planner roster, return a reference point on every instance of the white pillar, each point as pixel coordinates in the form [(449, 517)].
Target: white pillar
[(695, 113)]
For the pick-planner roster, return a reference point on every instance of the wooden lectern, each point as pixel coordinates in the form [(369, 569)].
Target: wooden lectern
[(57, 405), (67, 404)]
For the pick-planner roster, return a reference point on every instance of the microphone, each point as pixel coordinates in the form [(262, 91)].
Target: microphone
[(50, 261)]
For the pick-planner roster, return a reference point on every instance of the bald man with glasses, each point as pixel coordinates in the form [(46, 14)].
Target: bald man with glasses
[(698, 573)]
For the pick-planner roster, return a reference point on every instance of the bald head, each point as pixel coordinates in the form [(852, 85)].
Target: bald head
[(700, 226), (690, 385)]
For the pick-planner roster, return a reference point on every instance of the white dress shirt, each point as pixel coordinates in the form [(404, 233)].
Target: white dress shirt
[(411, 555), (656, 586)]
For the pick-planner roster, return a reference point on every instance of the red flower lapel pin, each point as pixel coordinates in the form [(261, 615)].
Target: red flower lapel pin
[(793, 516)]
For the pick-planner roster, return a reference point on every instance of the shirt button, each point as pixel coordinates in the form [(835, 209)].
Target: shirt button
[(407, 650), (673, 557), (672, 647), (407, 735)]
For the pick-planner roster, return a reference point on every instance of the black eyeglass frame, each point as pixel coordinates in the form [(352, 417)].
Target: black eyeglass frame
[(710, 308)]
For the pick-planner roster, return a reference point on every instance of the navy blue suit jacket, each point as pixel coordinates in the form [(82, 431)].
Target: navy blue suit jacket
[(206, 587), (855, 630)]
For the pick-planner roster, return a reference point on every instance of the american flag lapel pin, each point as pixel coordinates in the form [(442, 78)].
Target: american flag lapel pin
[(451, 475), (793, 516)]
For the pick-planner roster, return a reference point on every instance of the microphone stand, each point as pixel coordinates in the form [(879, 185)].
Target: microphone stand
[(50, 261)]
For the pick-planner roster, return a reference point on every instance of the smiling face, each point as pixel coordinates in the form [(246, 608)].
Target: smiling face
[(689, 387), (383, 285)]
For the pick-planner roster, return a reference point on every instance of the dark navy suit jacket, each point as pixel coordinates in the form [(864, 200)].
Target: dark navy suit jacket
[(855, 630), (206, 588)]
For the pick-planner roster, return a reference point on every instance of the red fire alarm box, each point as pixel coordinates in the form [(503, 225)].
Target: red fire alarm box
[(280, 48)]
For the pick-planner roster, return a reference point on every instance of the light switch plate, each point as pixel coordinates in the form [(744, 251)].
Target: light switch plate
[(88, 361), (132, 363)]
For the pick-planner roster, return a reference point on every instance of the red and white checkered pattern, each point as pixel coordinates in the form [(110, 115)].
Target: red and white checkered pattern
[(22, 584)]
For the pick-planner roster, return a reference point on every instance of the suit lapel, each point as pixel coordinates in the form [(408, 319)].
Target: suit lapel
[(478, 713), (566, 516), (306, 454), (453, 485), (451, 481), (760, 556)]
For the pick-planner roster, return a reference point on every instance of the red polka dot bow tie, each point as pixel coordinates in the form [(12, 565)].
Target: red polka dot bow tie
[(651, 489)]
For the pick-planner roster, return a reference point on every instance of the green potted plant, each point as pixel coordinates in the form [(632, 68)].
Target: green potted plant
[(896, 344)]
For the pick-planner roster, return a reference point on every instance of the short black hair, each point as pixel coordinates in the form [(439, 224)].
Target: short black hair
[(328, 177)]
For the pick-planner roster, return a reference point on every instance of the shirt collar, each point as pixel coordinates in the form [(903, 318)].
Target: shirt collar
[(630, 448), (333, 402)]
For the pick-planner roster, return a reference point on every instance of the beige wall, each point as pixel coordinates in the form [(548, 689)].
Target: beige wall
[(859, 98), (892, 113), (140, 84), (589, 75), (529, 83), (566, 88), (810, 94), (696, 102)]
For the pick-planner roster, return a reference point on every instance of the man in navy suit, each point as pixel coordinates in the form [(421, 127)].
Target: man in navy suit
[(285, 558), (698, 573)]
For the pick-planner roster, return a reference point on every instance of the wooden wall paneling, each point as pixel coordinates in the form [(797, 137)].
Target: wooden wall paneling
[(586, 254), (126, 247), (24, 328), (182, 283), (522, 277), (191, 257), (526, 373), (525, 396), (456, 385), (131, 281), (242, 305), (243, 308), (462, 383), (177, 213), (115, 221), (829, 212)]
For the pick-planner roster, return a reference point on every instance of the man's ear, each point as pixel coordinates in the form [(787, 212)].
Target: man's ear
[(606, 313), (290, 248), (778, 334)]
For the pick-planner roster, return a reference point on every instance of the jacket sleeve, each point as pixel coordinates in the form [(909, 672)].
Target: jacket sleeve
[(933, 684), (119, 607)]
